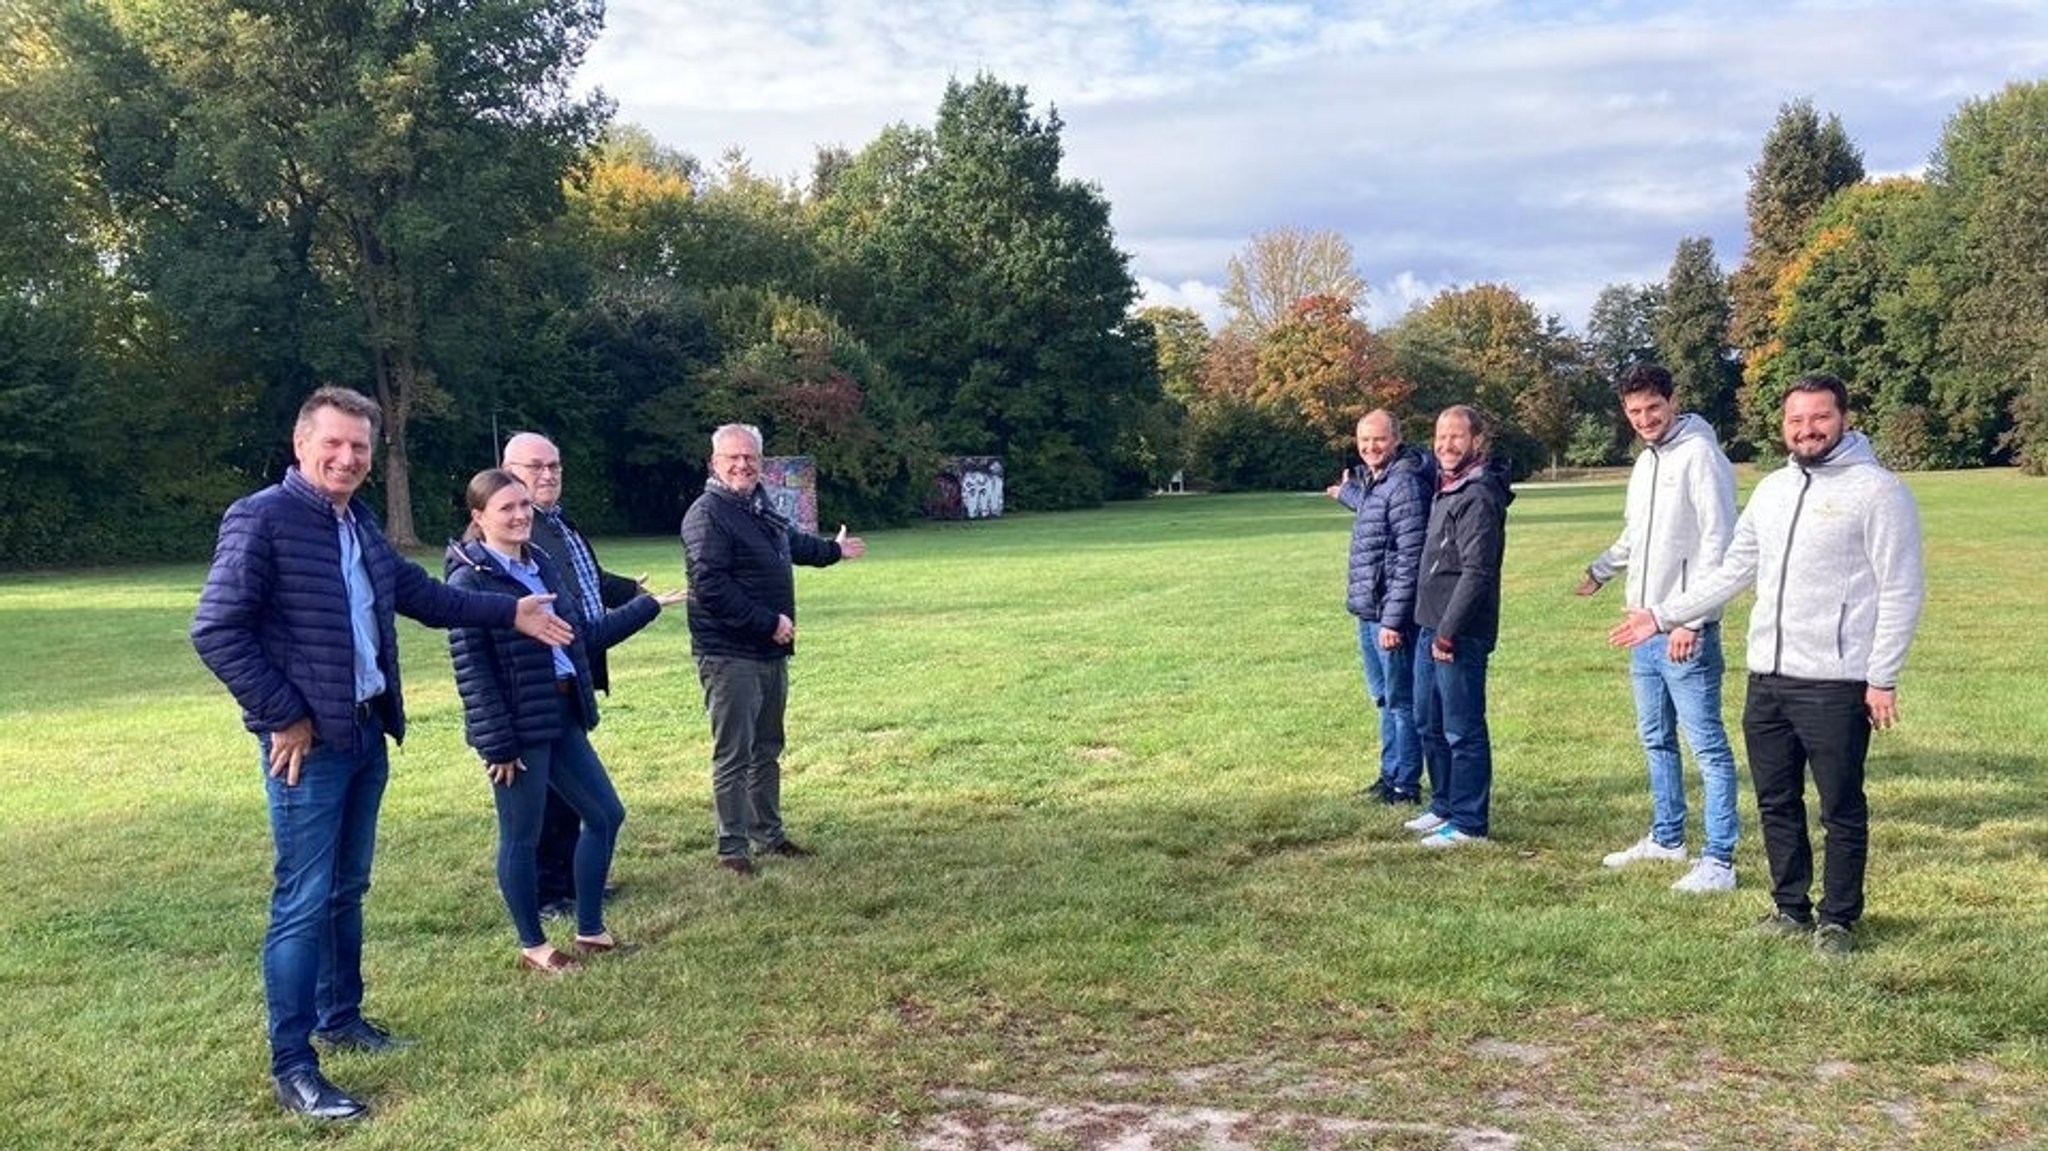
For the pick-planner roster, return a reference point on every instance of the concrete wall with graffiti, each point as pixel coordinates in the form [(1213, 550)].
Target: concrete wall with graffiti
[(967, 488)]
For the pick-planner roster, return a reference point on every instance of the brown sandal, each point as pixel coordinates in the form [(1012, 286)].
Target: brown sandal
[(556, 963)]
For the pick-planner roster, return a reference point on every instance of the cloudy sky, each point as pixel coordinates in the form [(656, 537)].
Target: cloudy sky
[(1551, 145)]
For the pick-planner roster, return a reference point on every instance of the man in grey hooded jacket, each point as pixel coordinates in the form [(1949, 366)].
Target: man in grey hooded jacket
[(1677, 520), (1831, 542)]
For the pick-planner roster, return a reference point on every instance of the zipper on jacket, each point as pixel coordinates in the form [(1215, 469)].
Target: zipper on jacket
[(1650, 522), (1785, 574)]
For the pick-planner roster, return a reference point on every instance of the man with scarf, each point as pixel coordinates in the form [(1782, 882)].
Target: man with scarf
[(742, 609), (1458, 608)]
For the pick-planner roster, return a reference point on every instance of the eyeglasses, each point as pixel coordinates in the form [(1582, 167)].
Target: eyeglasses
[(554, 468)]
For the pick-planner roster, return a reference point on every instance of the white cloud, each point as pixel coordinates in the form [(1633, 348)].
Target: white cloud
[(1553, 145), (1203, 299)]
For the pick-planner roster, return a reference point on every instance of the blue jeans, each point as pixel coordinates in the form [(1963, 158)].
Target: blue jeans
[(1450, 716), (1390, 681), (1674, 697), (325, 832), (570, 768), (746, 699)]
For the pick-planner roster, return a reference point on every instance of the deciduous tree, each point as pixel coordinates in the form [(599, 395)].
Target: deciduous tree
[(374, 157), (1805, 160), (1279, 269)]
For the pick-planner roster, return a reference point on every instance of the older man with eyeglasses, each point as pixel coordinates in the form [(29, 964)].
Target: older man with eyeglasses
[(538, 463), (739, 553)]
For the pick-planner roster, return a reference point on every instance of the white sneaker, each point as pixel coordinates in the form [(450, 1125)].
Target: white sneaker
[(1448, 836), (1644, 850), (1426, 823), (1707, 875)]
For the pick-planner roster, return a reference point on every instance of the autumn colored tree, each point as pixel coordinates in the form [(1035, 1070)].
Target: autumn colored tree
[(1279, 269), (1324, 363), (1486, 346), (1853, 303)]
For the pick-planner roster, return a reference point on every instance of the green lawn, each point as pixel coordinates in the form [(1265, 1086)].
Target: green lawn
[(1091, 868)]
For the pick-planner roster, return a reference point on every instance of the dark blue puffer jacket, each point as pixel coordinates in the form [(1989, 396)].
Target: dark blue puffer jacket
[(1387, 536), (506, 679), (273, 624)]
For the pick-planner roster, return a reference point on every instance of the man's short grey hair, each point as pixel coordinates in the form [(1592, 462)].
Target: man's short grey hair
[(727, 431), (347, 401)]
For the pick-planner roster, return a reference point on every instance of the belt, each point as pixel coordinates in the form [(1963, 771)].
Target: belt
[(369, 707), (565, 687)]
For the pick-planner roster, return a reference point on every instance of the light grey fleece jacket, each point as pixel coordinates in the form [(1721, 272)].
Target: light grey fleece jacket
[(1677, 520), (1834, 552)]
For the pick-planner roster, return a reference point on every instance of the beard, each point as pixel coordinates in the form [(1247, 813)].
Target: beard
[(1806, 455)]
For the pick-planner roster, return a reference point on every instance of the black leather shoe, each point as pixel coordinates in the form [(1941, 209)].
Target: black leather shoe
[(739, 865), (789, 850), (309, 1093), (363, 1035)]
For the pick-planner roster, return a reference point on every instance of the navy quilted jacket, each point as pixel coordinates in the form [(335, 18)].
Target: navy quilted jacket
[(1387, 535), (273, 617), (506, 679)]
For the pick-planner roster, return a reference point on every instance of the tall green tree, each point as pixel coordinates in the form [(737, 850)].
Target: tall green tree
[(997, 297), (1621, 327), (1691, 334), (1805, 160), (367, 166), (1991, 176), (1180, 343), (1620, 330)]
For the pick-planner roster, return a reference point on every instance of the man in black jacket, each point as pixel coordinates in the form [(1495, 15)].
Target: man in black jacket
[(538, 464), (1458, 609), (742, 606)]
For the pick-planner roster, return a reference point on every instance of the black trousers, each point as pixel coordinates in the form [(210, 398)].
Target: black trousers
[(555, 865), (1792, 727)]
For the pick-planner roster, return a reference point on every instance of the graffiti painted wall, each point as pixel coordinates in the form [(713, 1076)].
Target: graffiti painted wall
[(967, 488), (792, 486)]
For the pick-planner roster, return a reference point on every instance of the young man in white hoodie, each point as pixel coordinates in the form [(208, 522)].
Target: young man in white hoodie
[(1679, 514), (1831, 542)]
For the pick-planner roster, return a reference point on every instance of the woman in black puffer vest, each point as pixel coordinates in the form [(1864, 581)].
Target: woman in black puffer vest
[(526, 708)]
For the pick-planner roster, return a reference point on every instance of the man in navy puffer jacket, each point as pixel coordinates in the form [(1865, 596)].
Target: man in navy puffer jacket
[(1391, 497), (296, 618)]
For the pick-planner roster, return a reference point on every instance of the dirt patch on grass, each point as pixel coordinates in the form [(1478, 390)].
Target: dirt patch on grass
[(1488, 1094), (989, 1121)]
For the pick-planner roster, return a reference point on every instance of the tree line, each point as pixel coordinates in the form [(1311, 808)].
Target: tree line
[(1929, 297), (209, 207)]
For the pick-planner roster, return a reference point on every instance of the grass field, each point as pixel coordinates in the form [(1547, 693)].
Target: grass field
[(1092, 872)]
